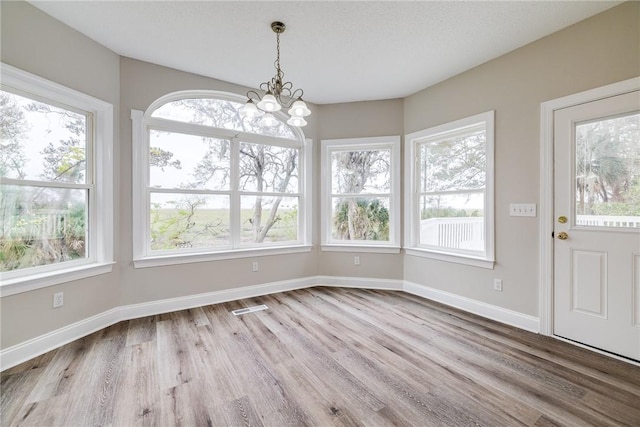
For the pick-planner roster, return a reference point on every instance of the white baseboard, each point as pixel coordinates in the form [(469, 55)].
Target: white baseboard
[(27, 350), (493, 312), (359, 282), (135, 311)]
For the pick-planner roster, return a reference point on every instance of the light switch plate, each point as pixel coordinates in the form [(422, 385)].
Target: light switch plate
[(522, 209)]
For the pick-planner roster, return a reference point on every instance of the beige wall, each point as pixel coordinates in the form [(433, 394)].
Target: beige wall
[(355, 120), (34, 42), (598, 51), (595, 52)]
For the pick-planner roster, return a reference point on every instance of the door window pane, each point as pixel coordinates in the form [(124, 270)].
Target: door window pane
[(607, 184)]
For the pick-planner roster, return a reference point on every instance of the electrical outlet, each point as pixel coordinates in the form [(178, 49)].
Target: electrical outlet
[(356, 260), (254, 268), (497, 284), (58, 299)]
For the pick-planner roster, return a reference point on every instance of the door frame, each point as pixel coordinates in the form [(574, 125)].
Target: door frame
[(546, 222)]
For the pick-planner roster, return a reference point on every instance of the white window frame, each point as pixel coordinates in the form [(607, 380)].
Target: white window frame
[(384, 142), (412, 214), (142, 122), (99, 185)]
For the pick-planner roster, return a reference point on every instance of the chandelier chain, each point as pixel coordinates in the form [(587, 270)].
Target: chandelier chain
[(278, 53), (278, 93)]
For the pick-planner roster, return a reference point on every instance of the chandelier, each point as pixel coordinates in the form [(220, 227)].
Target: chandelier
[(277, 94)]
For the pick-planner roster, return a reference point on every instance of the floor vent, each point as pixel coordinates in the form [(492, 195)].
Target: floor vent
[(240, 311)]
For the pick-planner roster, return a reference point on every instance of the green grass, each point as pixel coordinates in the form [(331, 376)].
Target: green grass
[(172, 229)]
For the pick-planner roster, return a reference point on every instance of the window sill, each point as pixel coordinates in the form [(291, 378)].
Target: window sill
[(358, 248), (457, 258), (164, 260), (42, 280)]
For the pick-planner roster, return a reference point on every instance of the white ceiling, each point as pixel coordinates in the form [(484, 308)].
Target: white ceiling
[(336, 51)]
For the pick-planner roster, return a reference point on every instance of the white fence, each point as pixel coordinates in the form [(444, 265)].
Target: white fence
[(608, 221), (45, 224), (457, 233), (53, 223)]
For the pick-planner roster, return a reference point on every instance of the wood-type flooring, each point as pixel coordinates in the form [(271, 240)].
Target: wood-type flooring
[(322, 357)]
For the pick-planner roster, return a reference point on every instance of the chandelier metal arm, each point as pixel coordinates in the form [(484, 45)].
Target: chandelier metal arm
[(283, 92), (254, 96)]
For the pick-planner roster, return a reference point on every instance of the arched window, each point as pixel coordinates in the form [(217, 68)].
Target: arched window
[(210, 183)]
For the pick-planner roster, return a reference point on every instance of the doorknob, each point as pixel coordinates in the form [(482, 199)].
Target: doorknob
[(563, 235)]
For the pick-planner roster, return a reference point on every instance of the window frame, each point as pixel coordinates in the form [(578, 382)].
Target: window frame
[(142, 122), (356, 144), (99, 183), (412, 193)]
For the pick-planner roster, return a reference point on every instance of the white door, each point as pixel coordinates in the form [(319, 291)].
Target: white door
[(597, 224)]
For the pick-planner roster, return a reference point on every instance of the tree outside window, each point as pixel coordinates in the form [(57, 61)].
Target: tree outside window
[(608, 168)]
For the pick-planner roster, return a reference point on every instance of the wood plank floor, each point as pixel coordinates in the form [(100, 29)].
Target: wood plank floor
[(323, 357)]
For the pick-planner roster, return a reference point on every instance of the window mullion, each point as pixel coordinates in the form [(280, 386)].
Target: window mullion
[(172, 126), (166, 125), (452, 192), (269, 194), (235, 209), (360, 195), (147, 215), (187, 191), (90, 159), (45, 184), (145, 177), (90, 179)]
